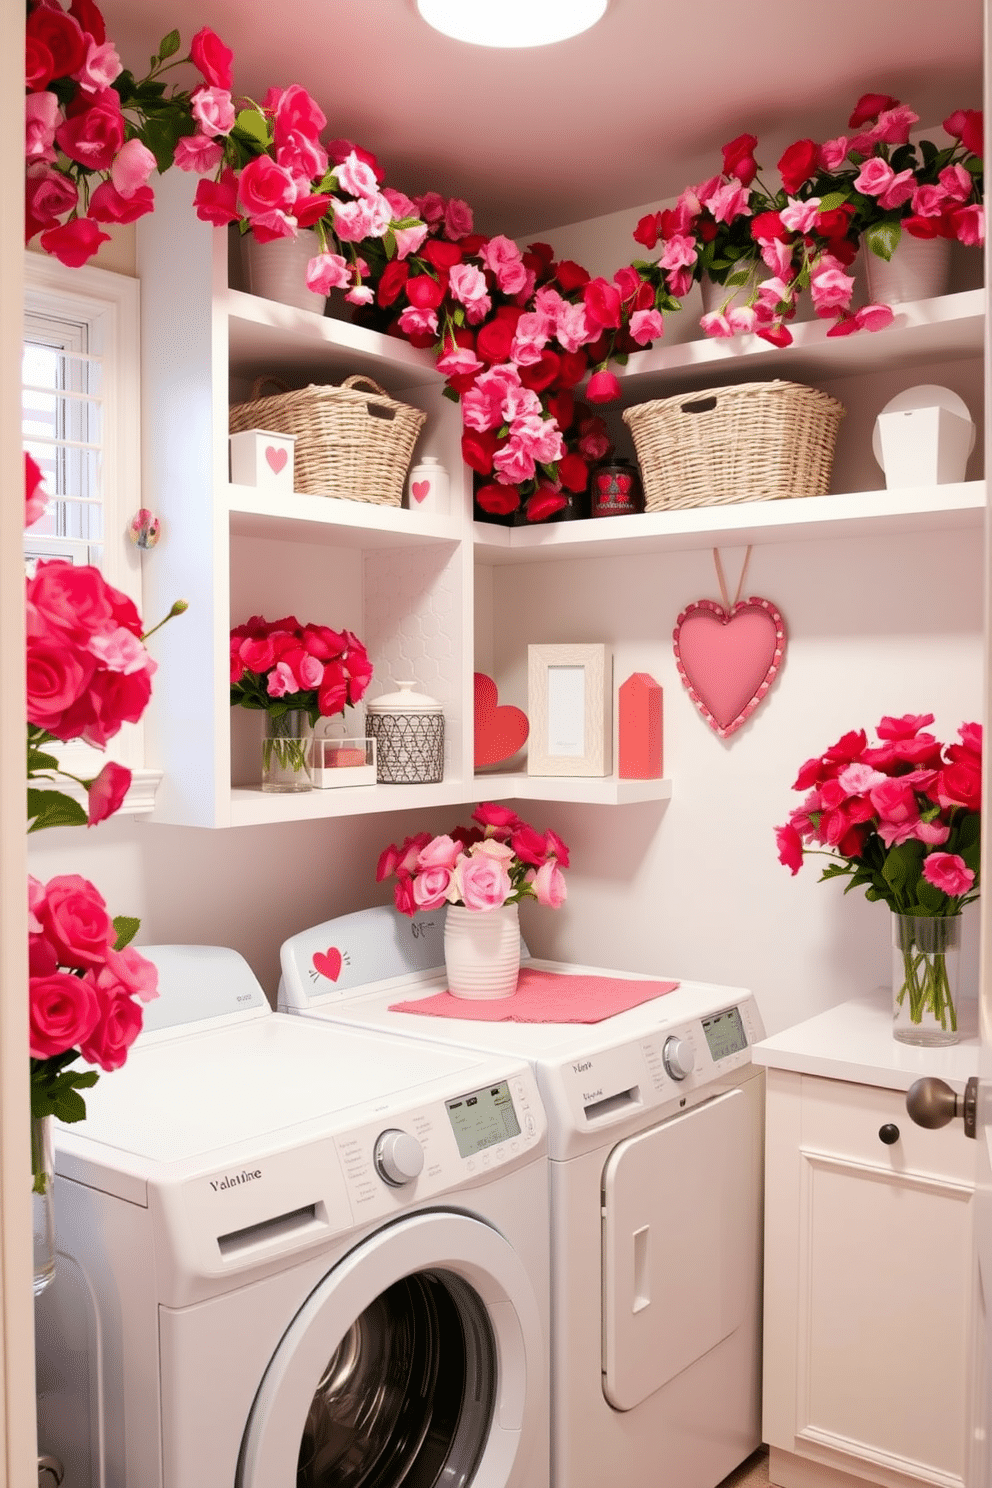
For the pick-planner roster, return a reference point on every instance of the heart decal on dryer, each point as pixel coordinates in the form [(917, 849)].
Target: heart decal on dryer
[(420, 489), (729, 658), (328, 963), (275, 458)]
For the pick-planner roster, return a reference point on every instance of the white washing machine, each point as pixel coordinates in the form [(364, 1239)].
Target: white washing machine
[(655, 1144), (296, 1254)]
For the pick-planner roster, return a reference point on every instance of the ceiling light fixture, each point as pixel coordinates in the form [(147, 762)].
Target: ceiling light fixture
[(511, 23)]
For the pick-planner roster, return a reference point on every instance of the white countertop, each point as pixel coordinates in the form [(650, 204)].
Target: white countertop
[(853, 1041)]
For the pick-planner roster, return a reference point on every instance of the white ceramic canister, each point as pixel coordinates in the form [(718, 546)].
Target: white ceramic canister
[(408, 728), (428, 487)]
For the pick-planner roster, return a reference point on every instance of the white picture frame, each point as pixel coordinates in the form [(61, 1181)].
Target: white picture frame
[(569, 697)]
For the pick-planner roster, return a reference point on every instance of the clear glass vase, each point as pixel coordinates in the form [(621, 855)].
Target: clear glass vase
[(287, 751), (925, 961), (42, 1202)]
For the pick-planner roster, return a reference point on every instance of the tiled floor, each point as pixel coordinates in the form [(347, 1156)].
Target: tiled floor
[(751, 1474)]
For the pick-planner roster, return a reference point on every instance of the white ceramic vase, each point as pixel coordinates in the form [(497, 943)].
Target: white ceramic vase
[(482, 951), (916, 271), (278, 270)]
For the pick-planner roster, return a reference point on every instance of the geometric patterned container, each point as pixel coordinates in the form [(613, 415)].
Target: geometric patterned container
[(408, 728)]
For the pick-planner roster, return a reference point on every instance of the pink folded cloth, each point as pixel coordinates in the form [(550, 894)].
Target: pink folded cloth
[(544, 997)]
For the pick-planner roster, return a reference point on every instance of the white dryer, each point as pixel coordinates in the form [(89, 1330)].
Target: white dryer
[(656, 1150), (296, 1254)]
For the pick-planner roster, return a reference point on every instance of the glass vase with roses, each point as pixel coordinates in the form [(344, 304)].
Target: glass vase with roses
[(901, 819), (479, 874)]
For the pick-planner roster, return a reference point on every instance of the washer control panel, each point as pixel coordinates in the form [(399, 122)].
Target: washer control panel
[(415, 1154)]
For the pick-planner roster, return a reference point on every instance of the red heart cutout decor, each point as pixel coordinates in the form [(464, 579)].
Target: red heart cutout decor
[(328, 963), (275, 458), (420, 489), (729, 659), (500, 730)]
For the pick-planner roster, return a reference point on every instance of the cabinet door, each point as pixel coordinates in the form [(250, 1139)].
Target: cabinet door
[(882, 1286)]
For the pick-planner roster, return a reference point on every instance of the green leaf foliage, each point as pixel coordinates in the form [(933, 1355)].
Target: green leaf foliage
[(169, 45), (832, 200), (53, 809), (127, 928), (254, 125), (883, 238)]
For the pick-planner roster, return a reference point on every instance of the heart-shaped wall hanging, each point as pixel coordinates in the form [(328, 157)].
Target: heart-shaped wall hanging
[(328, 963), (728, 657), (500, 730), (276, 458)]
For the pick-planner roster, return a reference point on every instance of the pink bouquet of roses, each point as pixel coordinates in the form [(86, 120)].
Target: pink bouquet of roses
[(902, 815), (500, 860), (280, 664)]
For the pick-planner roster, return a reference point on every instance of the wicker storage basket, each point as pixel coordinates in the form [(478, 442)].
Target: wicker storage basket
[(350, 442), (758, 441)]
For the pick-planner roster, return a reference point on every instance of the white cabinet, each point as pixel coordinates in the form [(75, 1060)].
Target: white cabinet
[(407, 583), (869, 1263)]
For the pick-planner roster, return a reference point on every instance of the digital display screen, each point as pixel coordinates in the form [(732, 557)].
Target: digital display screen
[(483, 1119), (725, 1033)]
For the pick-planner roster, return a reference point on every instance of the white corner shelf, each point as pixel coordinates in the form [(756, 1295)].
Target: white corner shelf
[(606, 790), (295, 517), (251, 806), (910, 509)]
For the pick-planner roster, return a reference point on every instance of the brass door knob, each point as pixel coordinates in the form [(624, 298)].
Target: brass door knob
[(932, 1103)]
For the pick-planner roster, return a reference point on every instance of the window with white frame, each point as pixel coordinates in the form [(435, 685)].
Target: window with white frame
[(80, 415)]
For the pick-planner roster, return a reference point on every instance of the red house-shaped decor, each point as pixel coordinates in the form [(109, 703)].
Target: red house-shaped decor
[(639, 727)]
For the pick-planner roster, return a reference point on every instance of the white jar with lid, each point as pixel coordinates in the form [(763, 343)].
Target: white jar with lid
[(408, 727), (428, 487)]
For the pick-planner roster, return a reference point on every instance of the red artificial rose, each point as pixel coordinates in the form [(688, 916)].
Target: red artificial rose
[(74, 243), (598, 350), (39, 65), (394, 276), (478, 449), (542, 251), (966, 125), (573, 472), (706, 229), (90, 19), (47, 196), (107, 204), (63, 1010), (498, 500), (75, 921), (63, 37), (544, 503), (869, 106), (332, 696), (602, 302), (671, 223), (441, 254), (309, 209), (424, 292), (738, 158), (571, 275), (561, 406), (644, 298), (603, 388), (628, 281), (212, 57), (338, 151), (57, 675), (798, 164), (574, 365), (323, 642), (117, 1026), (495, 339), (922, 227), (769, 226), (217, 201), (647, 230), (105, 794), (777, 335), (843, 250), (471, 243), (836, 222), (95, 134), (541, 374)]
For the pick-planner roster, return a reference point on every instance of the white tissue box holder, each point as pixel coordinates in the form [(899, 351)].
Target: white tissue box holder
[(342, 762), (924, 446)]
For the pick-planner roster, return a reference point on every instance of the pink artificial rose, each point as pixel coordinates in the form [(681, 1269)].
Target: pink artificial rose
[(549, 885), (956, 182), (257, 654), (101, 67), (403, 896), (573, 327), (197, 153), (309, 670), (857, 779), (800, 216), (602, 387), (107, 204), (208, 53), (48, 195), (265, 187), (503, 259), (483, 882), (57, 676), (960, 784), (874, 317), (213, 110), (356, 177), (94, 136), (874, 176), (459, 361), (281, 680), (830, 289), (898, 191), (457, 219), (117, 649), (514, 463), (295, 112), (75, 242), (306, 161), (715, 323), (529, 340), (359, 219), (790, 848), (969, 225), (63, 1010), (360, 294), (217, 201), (467, 285), (76, 923), (106, 793), (728, 202), (440, 852), (430, 207), (327, 271), (833, 153), (430, 888), (947, 872), (409, 239), (117, 1026), (418, 322), (646, 326), (42, 116), (402, 205), (137, 975), (35, 495)]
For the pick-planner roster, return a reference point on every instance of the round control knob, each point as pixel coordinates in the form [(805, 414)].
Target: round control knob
[(679, 1057), (398, 1157), (889, 1134)]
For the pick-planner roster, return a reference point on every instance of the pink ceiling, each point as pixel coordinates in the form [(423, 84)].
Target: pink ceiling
[(625, 115)]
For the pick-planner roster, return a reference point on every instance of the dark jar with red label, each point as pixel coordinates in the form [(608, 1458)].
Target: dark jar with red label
[(615, 490)]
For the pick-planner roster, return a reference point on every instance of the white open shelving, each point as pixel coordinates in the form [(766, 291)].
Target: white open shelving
[(414, 573)]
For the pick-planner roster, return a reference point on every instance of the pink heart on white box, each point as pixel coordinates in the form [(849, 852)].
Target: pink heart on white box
[(275, 458), (729, 659), (420, 489)]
